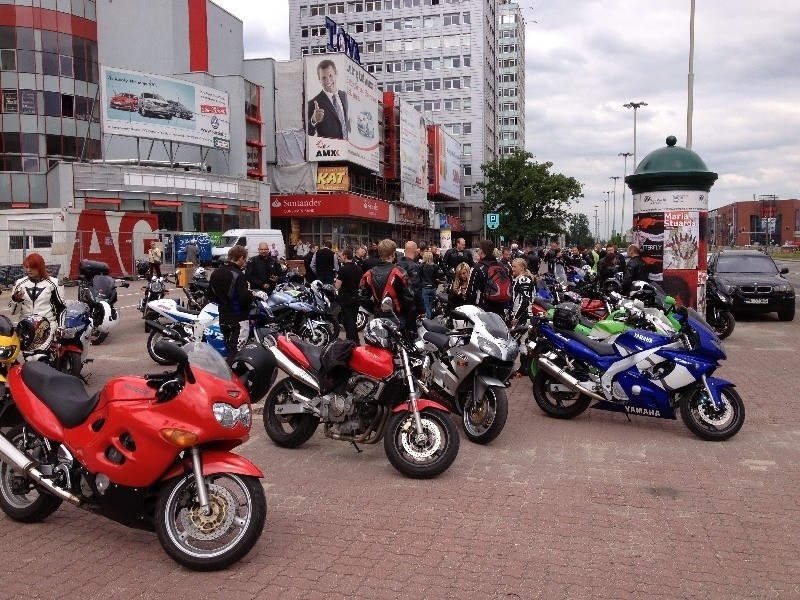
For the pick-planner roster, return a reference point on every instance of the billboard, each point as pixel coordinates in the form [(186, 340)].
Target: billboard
[(333, 179), (446, 167), (413, 156), (163, 108), (341, 111)]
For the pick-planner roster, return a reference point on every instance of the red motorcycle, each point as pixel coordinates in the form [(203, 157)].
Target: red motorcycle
[(366, 394), (152, 452)]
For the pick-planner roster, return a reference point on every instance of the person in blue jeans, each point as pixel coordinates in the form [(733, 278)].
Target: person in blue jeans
[(430, 276)]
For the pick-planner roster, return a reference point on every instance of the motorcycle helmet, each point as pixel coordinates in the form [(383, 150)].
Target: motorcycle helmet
[(256, 366), (9, 341), (378, 332), (105, 317), (641, 290), (200, 273), (566, 316), (33, 332)]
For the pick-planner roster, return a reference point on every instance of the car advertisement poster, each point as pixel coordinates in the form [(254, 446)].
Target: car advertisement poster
[(341, 111), (150, 106), (447, 155), (413, 156)]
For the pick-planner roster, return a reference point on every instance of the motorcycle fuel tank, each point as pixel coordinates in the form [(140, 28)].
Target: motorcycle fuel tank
[(374, 362)]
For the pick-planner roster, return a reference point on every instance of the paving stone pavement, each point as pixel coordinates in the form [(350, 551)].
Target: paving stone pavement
[(596, 507)]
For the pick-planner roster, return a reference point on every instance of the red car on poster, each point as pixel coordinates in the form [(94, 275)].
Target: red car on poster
[(125, 101)]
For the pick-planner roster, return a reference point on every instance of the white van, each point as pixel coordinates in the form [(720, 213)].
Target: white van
[(250, 239)]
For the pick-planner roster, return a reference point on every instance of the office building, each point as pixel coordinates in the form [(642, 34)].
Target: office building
[(440, 55), (510, 79)]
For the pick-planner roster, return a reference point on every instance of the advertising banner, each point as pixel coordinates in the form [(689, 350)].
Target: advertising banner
[(413, 156), (150, 106), (447, 155), (341, 111), (333, 179), (330, 205), (692, 200)]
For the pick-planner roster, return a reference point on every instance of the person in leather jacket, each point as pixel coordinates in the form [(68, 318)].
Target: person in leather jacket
[(635, 269), (388, 279)]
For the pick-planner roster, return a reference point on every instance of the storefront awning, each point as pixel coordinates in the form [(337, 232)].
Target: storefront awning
[(217, 206), (103, 201), (165, 203)]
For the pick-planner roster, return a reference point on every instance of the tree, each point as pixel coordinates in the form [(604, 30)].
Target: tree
[(531, 201), (579, 233)]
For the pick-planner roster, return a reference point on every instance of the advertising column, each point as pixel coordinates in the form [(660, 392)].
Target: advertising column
[(670, 211)]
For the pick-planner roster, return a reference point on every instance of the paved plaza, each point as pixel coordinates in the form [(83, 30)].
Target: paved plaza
[(596, 507)]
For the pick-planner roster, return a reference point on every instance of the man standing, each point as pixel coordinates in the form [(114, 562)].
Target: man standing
[(192, 252), (635, 269), (347, 282), (455, 256), (489, 283), (327, 111), (410, 265), (388, 280), (300, 249), (264, 271), (154, 257), (506, 259), (554, 256), (228, 287), (309, 256), (325, 263)]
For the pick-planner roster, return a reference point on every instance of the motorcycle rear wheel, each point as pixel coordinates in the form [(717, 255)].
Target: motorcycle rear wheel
[(425, 458), (707, 423), (554, 403), (210, 542), (288, 431), (155, 337), (19, 498), (484, 419), (70, 363)]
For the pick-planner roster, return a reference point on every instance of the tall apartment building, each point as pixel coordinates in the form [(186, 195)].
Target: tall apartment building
[(510, 79), (441, 55)]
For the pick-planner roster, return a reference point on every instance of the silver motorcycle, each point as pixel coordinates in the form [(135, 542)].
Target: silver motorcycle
[(467, 368)]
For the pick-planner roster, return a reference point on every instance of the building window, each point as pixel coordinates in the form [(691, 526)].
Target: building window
[(467, 60), (452, 83), (336, 9), (390, 4), (374, 67), (355, 7), (394, 66), (466, 128), (8, 60), (394, 24), (371, 5), (433, 85), (452, 62), (10, 101), (431, 21), (466, 170), (413, 44), (466, 150), (452, 104), (412, 65), (451, 19), (467, 191), (413, 86), (373, 25), (454, 128), (393, 86), (433, 63), (432, 105), (465, 18), (432, 42), (394, 45), (373, 47)]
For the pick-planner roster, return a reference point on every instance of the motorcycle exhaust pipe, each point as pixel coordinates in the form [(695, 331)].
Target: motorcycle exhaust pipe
[(293, 370), (566, 378), (20, 462)]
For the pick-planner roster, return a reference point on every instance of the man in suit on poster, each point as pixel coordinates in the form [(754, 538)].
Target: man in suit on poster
[(327, 111)]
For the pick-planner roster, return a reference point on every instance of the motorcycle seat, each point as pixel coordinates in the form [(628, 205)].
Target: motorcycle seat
[(310, 351), (434, 326), (542, 303), (187, 311), (599, 348), (63, 394), (440, 340)]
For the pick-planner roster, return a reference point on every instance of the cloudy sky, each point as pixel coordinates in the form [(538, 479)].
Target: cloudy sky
[(586, 58)]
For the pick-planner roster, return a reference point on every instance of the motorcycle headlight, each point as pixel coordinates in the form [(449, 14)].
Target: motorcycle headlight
[(228, 416), (782, 288), (489, 347), (68, 332)]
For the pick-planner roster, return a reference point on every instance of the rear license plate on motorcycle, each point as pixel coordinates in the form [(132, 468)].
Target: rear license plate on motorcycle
[(756, 300)]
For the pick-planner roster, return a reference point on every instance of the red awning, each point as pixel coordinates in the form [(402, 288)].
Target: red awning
[(218, 206), (116, 201), (165, 203), (20, 205), (250, 209)]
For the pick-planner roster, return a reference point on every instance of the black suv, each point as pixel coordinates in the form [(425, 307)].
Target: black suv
[(753, 281)]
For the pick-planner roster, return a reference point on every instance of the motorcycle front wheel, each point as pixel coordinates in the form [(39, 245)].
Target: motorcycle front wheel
[(425, 456), (722, 323), (708, 422), (70, 363), (155, 337), (19, 498), (318, 334), (484, 418), (293, 430), (555, 402), (208, 542)]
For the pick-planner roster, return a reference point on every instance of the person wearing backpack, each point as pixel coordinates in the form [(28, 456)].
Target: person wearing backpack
[(386, 279), (489, 283)]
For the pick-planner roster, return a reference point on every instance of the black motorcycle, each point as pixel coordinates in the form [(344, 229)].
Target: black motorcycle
[(99, 291), (718, 310), (197, 290), (155, 289)]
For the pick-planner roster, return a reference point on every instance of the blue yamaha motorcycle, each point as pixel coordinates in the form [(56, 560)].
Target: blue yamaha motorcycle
[(640, 372)]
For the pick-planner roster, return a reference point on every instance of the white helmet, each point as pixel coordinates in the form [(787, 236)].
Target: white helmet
[(199, 273), (106, 317)]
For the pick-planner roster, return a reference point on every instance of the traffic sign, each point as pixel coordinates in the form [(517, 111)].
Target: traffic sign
[(492, 220)]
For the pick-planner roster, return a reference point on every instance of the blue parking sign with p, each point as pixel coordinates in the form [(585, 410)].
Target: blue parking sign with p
[(492, 220)]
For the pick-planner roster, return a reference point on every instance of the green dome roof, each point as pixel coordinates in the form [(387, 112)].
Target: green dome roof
[(672, 167)]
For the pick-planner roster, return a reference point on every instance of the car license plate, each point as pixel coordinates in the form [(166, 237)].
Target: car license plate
[(756, 301)]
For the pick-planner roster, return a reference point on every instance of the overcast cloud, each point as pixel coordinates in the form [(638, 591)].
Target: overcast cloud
[(586, 58)]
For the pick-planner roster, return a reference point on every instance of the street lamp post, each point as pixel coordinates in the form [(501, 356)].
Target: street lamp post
[(624, 175), (690, 102), (596, 226), (635, 106), (606, 200), (614, 210)]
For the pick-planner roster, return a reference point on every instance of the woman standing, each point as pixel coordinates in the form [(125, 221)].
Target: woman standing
[(458, 291), (154, 257), (522, 290), (38, 294)]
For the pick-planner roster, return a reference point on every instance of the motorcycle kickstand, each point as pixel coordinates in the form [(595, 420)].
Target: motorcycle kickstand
[(359, 450)]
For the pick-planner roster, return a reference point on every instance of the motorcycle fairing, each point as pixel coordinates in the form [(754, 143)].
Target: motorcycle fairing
[(216, 461), (422, 404)]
